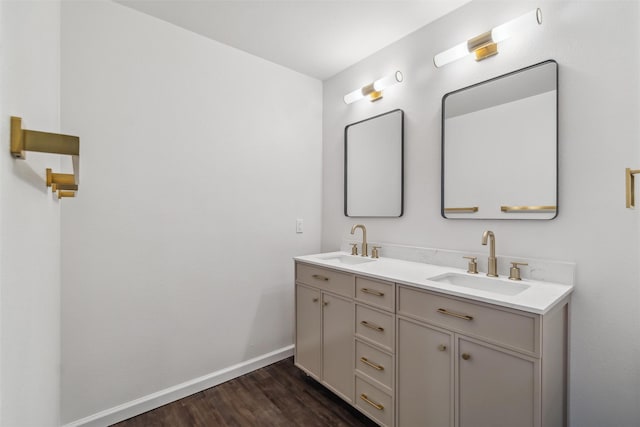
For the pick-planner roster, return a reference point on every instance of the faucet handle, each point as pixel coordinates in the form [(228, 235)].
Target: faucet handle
[(374, 252), (472, 268), (514, 271), (354, 248)]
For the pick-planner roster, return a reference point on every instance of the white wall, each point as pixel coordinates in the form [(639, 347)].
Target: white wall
[(196, 159), (29, 218), (599, 134)]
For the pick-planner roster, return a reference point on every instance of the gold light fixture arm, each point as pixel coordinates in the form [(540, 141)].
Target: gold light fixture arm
[(630, 185), (45, 142)]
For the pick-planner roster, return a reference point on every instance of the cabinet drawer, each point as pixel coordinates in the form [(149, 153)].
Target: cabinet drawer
[(376, 326), (376, 293), (374, 402), (374, 363), (518, 330), (325, 279)]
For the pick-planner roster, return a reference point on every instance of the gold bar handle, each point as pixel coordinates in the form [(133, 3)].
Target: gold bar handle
[(371, 402), (373, 365), (470, 209), (319, 277), (451, 313), (372, 326), (630, 184), (372, 292), (527, 209)]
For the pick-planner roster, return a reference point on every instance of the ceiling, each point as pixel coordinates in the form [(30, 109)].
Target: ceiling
[(318, 38)]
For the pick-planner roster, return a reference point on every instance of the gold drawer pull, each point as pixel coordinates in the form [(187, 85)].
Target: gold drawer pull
[(372, 292), (442, 347), (466, 356), (372, 326), (319, 277), (450, 313), (315, 300), (373, 365), (372, 403)]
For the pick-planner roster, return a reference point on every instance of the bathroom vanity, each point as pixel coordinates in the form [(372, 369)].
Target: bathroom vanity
[(414, 344)]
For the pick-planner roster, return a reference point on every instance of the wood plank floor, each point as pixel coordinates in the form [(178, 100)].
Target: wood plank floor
[(277, 395)]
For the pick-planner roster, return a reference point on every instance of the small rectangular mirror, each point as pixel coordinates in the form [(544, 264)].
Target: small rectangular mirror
[(500, 147), (373, 166)]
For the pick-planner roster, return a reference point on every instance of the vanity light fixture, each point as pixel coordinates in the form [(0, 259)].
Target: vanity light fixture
[(486, 44), (374, 90)]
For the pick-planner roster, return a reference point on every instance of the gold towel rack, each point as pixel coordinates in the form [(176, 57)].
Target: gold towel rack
[(44, 142), (630, 184), (470, 209), (527, 209)]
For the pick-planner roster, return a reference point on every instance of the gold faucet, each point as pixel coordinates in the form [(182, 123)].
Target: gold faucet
[(493, 262), (364, 238)]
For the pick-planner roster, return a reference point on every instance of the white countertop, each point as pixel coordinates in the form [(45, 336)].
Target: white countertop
[(538, 298)]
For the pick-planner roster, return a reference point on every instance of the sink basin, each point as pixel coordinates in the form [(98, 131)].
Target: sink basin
[(346, 259), (481, 283)]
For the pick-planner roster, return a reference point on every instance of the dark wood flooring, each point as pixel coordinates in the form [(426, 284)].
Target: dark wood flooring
[(277, 395)]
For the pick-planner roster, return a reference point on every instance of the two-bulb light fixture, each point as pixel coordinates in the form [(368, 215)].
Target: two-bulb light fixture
[(373, 91), (486, 44)]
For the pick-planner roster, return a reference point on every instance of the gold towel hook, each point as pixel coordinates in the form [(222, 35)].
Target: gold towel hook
[(630, 184)]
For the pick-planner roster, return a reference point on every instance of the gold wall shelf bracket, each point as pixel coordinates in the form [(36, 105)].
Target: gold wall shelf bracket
[(527, 209), (470, 209), (630, 181), (23, 140)]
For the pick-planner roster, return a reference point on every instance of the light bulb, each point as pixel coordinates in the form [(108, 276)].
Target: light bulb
[(458, 51), (354, 96)]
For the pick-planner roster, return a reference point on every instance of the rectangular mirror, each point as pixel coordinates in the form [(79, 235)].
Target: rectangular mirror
[(373, 166), (500, 147)]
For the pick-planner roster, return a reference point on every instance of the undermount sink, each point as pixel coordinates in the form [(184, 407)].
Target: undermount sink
[(481, 283), (346, 259)]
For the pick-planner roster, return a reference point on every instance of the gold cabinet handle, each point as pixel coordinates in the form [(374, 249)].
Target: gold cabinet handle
[(372, 292), (466, 356), (372, 326), (372, 403), (319, 277), (450, 313), (442, 347), (315, 300), (326, 303), (373, 365)]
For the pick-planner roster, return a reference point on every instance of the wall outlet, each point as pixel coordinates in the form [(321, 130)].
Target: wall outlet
[(299, 226)]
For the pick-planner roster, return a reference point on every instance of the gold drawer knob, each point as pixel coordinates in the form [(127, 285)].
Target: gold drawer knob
[(315, 300), (442, 347), (466, 356)]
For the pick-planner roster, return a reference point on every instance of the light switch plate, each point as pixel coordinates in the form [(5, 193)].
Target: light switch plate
[(299, 226)]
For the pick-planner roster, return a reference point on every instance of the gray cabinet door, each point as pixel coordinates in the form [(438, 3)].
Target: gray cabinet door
[(338, 346), (425, 376), (495, 388), (308, 330)]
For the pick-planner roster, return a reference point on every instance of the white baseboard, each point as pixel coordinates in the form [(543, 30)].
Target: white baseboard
[(168, 395)]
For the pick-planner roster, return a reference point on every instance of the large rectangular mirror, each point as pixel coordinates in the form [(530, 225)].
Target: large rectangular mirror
[(500, 147), (373, 166)]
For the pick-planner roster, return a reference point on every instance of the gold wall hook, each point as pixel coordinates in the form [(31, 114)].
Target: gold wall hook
[(630, 184), (44, 142)]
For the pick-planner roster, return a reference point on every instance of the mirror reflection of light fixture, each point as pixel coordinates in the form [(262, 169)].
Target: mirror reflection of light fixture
[(486, 44), (373, 90)]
